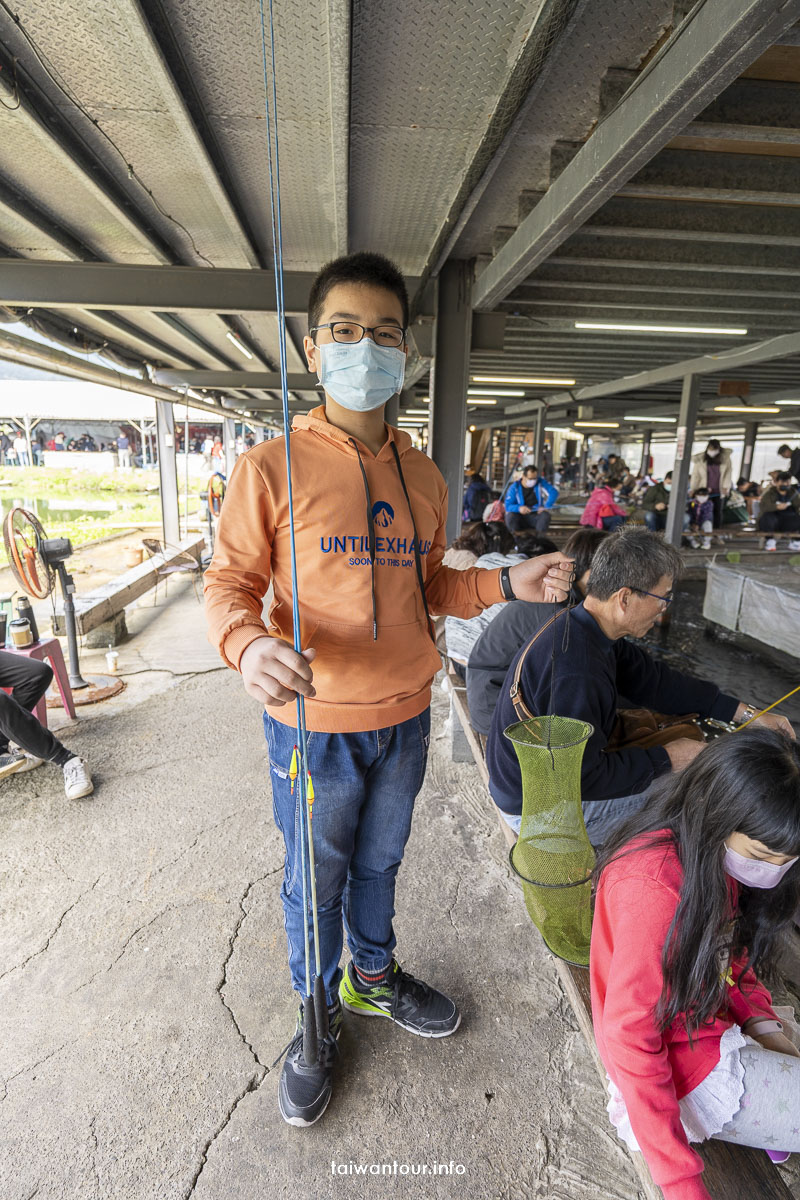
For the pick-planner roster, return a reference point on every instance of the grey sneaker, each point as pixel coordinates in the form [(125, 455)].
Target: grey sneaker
[(11, 762), (77, 780)]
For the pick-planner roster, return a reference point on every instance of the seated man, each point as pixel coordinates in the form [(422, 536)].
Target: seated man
[(780, 510), (513, 628), (655, 504), (630, 583), (29, 680), (528, 502)]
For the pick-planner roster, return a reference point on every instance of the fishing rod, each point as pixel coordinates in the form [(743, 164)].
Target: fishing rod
[(767, 709), (315, 1010)]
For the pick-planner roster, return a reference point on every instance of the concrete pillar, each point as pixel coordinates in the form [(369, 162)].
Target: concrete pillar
[(538, 442), (392, 410), (687, 420), (449, 379), (259, 434), (583, 461), (750, 432), (167, 471), (506, 452), (229, 443), (646, 439)]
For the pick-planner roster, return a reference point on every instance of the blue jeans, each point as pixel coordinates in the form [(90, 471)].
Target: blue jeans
[(611, 524), (601, 817), (365, 785), (656, 521)]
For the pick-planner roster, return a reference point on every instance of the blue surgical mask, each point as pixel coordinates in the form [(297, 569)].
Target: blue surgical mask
[(667, 487), (360, 375), (754, 872)]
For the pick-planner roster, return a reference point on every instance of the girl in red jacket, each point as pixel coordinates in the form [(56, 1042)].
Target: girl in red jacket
[(601, 510), (693, 894)]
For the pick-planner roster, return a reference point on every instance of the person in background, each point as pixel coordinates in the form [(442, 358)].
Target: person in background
[(601, 661), (21, 450), (602, 511), (124, 448), (780, 511), (35, 744), (712, 469), (218, 456), (513, 627), (793, 454), (655, 504), (693, 897), (616, 466), (58, 441), (207, 451), (751, 491), (528, 502), (487, 537), (701, 517), (476, 497)]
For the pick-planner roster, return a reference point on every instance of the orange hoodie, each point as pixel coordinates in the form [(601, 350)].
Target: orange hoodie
[(367, 674)]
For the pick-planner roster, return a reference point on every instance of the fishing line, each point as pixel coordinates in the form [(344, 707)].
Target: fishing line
[(315, 1014), (767, 709)]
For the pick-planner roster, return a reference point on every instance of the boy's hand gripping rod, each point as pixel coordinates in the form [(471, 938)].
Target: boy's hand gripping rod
[(315, 1010)]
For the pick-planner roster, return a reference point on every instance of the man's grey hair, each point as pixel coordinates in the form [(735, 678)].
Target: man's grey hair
[(633, 558)]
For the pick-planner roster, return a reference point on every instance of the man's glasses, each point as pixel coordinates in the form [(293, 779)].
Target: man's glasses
[(665, 600), (349, 331)]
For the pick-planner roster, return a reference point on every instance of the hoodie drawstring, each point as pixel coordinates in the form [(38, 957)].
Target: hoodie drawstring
[(417, 556)]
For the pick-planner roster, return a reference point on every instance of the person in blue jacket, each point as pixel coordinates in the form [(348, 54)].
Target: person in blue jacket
[(528, 502)]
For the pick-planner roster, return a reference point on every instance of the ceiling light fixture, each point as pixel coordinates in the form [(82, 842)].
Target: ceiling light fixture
[(495, 392), (729, 408), (721, 329), (788, 403), (415, 412), (597, 424), (482, 401), (240, 346), (644, 417), (530, 380)]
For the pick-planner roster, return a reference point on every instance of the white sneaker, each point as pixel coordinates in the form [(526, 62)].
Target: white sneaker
[(771, 544), (794, 544), (706, 543), (77, 780), (31, 762)]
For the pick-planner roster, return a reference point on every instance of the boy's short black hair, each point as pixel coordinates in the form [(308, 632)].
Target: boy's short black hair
[(783, 477), (373, 269)]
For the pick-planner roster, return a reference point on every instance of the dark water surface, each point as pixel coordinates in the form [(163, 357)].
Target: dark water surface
[(687, 646)]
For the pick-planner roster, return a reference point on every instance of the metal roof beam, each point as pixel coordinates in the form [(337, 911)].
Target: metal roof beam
[(164, 289), (747, 356), (707, 52), (226, 380), (35, 354)]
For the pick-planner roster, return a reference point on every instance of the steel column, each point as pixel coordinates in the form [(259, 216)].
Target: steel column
[(647, 436), (229, 443), (392, 411), (538, 442), (750, 432), (687, 420), (167, 472), (583, 463), (449, 380)]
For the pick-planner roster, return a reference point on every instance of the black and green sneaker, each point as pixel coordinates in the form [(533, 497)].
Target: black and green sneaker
[(304, 1092), (403, 999)]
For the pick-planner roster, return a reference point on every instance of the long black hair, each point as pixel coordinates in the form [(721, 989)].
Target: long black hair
[(749, 783), (486, 537)]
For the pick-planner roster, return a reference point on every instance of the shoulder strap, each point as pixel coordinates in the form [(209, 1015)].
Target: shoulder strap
[(515, 691)]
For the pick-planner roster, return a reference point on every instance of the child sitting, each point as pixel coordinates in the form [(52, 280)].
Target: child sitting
[(694, 892), (701, 516)]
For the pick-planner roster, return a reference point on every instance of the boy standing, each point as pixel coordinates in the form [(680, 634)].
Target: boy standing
[(369, 560)]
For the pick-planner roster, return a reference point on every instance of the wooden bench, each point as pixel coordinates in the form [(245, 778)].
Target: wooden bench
[(106, 602), (730, 1172)]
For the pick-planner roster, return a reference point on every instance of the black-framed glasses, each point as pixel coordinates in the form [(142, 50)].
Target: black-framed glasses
[(665, 600), (351, 332)]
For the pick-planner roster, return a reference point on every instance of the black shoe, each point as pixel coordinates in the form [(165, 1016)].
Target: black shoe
[(405, 1000), (304, 1092)]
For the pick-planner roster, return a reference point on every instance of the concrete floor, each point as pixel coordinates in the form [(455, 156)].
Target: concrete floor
[(144, 993)]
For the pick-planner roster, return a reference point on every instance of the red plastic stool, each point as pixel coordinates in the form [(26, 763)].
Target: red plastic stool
[(49, 648)]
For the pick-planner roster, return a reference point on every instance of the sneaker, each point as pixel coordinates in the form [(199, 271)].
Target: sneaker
[(794, 544), (11, 762), (706, 543), (31, 762), (77, 780), (770, 544), (304, 1092), (403, 999)]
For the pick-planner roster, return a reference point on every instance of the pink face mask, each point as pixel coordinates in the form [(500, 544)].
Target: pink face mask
[(754, 872)]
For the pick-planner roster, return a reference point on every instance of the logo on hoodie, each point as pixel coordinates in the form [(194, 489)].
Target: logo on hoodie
[(382, 514)]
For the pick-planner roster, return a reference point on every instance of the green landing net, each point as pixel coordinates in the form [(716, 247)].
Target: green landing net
[(553, 856)]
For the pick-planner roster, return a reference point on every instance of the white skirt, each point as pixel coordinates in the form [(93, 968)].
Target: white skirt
[(708, 1107)]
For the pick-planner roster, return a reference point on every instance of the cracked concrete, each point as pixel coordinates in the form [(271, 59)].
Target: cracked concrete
[(146, 988)]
